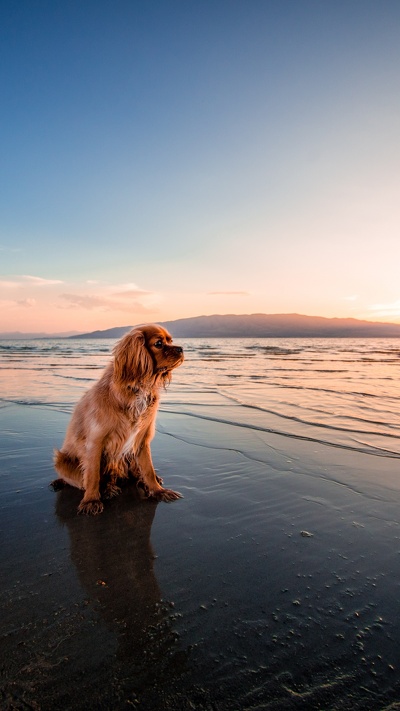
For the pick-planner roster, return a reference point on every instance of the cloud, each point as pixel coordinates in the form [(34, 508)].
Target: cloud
[(11, 304), (391, 309), (120, 291), (127, 291), (130, 286), (9, 284), (85, 302), (131, 294), (353, 297), (38, 281), (17, 282), (228, 293), (90, 303), (28, 303)]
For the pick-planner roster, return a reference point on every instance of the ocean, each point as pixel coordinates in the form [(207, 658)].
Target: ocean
[(272, 584), (340, 392)]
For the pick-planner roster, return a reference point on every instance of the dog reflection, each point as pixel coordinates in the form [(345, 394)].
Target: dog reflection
[(114, 559)]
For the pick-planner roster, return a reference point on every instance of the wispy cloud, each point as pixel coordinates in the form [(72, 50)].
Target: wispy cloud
[(90, 303), (128, 286), (7, 284), (27, 303), (12, 304), (23, 280), (229, 293), (131, 294), (391, 309), (128, 290), (38, 281), (84, 302)]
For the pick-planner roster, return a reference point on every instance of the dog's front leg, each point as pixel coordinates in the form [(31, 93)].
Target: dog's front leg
[(148, 474), (91, 503)]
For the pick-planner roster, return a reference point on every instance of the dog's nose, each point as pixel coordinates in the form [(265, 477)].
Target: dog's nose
[(179, 349)]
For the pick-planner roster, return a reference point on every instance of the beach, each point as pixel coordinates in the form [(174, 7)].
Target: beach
[(273, 584)]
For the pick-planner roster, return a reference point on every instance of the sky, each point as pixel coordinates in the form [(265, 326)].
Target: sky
[(162, 159)]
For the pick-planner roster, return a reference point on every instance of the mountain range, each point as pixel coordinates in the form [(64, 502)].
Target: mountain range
[(24, 336), (265, 326)]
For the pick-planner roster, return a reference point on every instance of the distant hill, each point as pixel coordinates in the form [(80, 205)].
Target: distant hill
[(19, 336), (116, 332), (265, 326)]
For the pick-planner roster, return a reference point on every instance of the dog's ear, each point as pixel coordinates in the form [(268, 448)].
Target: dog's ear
[(132, 361)]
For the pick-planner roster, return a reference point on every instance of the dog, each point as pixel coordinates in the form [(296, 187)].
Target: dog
[(108, 437)]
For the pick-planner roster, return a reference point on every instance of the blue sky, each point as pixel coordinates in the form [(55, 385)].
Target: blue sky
[(168, 159)]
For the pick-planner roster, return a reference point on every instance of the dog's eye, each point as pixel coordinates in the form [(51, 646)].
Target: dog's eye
[(158, 344)]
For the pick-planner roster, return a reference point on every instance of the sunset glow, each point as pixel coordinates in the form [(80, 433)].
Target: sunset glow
[(169, 160)]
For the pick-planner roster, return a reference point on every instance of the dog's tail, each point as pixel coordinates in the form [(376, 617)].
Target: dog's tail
[(68, 468)]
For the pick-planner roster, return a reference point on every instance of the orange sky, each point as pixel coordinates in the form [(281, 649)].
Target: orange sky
[(33, 304)]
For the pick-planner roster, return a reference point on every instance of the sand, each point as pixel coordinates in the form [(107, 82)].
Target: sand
[(273, 584)]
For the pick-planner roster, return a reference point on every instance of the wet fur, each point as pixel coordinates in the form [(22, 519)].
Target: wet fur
[(108, 437)]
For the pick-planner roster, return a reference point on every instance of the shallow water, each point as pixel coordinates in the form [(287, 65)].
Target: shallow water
[(274, 583), (344, 392)]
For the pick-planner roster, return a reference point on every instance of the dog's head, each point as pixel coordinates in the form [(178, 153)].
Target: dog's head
[(146, 355)]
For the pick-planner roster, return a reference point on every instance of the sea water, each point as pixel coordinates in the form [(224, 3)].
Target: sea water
[(340, 392), (274, 582)]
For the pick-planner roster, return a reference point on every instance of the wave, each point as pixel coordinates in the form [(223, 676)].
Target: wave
[(225, 356), (310, 388), (311, 423), (31, 402), (19, 349), (365, 449), (275, 350), (75, 377)]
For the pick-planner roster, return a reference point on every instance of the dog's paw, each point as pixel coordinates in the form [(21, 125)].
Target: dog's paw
[(111, 490), (91, 507), (166, 495), (58, 484)]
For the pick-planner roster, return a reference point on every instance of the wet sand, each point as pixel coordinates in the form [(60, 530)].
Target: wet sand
[(274, 583)]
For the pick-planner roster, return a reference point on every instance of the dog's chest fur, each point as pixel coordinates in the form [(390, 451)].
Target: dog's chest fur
[(139, 403), (142, 402)]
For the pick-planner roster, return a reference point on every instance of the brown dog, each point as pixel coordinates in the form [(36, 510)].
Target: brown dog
[(112, 426)]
